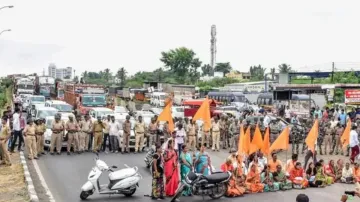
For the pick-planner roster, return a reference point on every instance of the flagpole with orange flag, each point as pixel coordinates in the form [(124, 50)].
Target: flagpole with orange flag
[(247, 141), (266, 143), (203, 113), (257, 141), (166, 115), (282, 142), (345, 138), (312, 136), (240, 152)]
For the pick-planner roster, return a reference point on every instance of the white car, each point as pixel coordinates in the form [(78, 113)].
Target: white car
[(38, 100), (43, 112), (100, 112), (47, 136), (63, 108), (177, 112), (132, 133), (121, 110)]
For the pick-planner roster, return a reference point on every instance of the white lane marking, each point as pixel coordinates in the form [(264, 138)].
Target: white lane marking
[(43, 182)]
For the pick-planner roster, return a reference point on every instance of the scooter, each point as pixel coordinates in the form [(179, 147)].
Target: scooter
[(122, 181)]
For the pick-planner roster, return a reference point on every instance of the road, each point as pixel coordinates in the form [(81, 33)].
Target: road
[(65, 175)]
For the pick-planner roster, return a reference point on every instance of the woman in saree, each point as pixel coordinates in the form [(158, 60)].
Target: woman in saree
[(158, 173), (321, 175), (185, 167), (310, 175), (338, 170), (171, 169), (297, 177), (280, 178), (255, 162), (356, 172), (330, 171), (234, 188), (253, 184), (202, 162), (268, 180)]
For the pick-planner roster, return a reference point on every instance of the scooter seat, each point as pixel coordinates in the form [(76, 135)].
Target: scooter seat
[(217, 177)]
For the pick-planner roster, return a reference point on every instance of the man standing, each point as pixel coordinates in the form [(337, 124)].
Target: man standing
[(287, 114), (72, 128), (342, 118), (329, 132), (152, 133), (353, 143), (4, 137), (205, 136), (17, 130), (40, 130), (98, 127), (223, 131), (86, 140), (234, 131), (114, 128), (192, 134), (215, 130), (126, 135), (57, 134), (106, 133), (30, 140), (139, 130)]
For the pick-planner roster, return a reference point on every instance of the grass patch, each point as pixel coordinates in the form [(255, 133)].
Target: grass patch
[(12, 181)]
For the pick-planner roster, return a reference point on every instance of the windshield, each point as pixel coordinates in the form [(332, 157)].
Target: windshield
[(61, 93), (37, 99), (23, 86), (240, 98), (162, 97), (94, 100), (157, 111), (45, 113), (179, 109), (104, 113), (63, 107), (120, 109), (49, 123)]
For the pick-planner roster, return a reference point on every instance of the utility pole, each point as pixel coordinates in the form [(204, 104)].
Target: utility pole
[(332, 72), (213, 49)]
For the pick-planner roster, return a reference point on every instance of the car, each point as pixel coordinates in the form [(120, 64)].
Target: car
[(132, 133), (63, 108), (101, 112), (47, 136), (121, 110), (43, 112), (156, 111), (177, 112)]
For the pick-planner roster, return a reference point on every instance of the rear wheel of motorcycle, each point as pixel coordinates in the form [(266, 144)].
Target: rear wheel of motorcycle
[(84, 195), (218, 191), (178, 193), (130, 193)]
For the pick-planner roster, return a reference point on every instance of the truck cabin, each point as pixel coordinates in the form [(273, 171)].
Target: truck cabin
[(91, 100), (191, 107)]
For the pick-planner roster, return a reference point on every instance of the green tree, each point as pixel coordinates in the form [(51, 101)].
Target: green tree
[(223, 67), (272, 72), (257, 72), (107, 74), (206, 70), (284, 68), (84, 74), (181, 61), (121, 75)]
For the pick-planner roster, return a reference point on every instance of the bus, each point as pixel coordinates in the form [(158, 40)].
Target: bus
[(228, 97)]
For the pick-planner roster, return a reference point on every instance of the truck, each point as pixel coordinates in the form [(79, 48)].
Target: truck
[(84, 97), (59, 90), (44, 85), (124, 93), (24, 86)]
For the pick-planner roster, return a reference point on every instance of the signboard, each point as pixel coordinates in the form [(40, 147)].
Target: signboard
[(352, 96)]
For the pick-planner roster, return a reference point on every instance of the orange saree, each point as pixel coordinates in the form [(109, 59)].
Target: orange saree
[(253, 184)]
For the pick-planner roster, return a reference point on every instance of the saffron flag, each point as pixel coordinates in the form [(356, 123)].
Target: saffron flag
[(282, 142), (266, 143), (312, 136), (345, 138), (247, 142), (203, 113), (166, 115), (240, 143), (257, 141)]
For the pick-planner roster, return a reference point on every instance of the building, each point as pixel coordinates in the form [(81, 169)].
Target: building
[(60, 73), (238, 75), (252, 87)]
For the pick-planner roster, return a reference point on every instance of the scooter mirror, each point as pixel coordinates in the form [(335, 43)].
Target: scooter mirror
[(113, 166)]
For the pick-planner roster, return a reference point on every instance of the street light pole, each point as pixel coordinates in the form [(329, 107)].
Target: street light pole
[(5, 30), (7, 7)]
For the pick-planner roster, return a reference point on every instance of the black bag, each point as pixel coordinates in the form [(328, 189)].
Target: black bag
[(66, 137)]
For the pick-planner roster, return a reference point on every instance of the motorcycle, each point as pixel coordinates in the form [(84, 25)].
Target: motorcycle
[(214, 185), (122, 181)]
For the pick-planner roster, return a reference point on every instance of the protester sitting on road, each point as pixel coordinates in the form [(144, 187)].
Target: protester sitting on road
[(347, 174)]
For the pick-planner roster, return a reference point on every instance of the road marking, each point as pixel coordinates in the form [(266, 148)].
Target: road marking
[(43, 182)]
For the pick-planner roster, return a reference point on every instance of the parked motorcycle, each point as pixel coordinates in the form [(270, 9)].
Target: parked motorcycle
[(214, 185), (122, 181)]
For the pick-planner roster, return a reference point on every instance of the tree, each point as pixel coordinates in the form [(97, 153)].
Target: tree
[(84, 74), (284, 68), (181, 61), (257, 73), (272, 72), (76, 79), (223, 67), (121, 74), (107, 74), (206, 70)]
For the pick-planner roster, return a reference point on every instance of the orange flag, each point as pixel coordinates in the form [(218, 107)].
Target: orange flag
[(166, 115), (345, 138), (203, 113), (266, 147), (312, 136), (282, 142), (240, 143), (247, 143)]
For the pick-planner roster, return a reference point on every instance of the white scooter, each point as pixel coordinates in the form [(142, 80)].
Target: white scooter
[(122, 181)]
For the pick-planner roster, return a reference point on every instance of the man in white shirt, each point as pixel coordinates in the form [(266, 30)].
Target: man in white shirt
[(262, 159), (353, 143), (287, 114), (114, 128), (266, 120), (17, 131)]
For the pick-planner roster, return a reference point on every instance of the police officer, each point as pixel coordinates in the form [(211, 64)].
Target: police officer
[(139, 130), (308, 126), (339, 130), (328, 136), (321, 135), (40, 130), (30, 139), (223, 127), (215, 130), (98, 128), (72, 128), (126, 135), (275, 129), (152, 133), (234, 131), (192, 134), (57, 134)]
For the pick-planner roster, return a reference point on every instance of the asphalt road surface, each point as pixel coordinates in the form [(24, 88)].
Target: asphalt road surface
[(65, 175)]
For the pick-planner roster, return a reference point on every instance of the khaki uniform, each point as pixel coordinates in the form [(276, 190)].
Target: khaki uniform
[(328, 138), (84, 136), (205, 137), (98, 129), (338, 133), (192, 131), (56, 137), (5, 133), (40, 130), (73, 138), (126, 136), (152, 134), (30, 141), (215, 135), (139, 135)]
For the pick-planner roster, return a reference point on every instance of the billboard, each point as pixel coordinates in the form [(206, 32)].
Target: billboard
[(352, 96)]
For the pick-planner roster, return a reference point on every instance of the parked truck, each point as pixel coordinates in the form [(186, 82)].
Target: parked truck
[(24, 86), (59, 91), (85, 96), (44, 85)]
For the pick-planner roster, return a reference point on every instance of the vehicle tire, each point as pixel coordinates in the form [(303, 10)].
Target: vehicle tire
[(216, 193), (178, 192), (131, 193), (84, 195), (147, 166)]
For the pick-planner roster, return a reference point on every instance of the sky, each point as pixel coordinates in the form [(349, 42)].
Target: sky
[(93, 35)]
